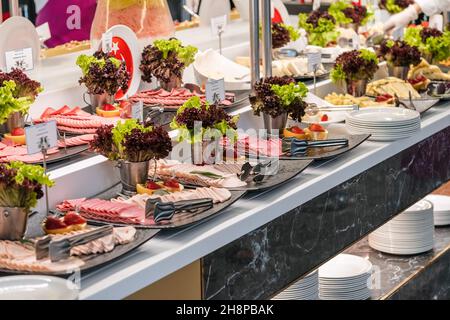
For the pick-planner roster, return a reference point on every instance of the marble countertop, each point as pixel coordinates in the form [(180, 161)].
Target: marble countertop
[(392, 270), (172, 250)]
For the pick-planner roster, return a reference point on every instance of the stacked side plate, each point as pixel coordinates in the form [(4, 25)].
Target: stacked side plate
[(345, 277), (411, 232), (384, 123), (441, 209), (304, 289)]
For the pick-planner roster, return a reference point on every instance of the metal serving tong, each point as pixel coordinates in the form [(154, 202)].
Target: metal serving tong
[(247, 170), (60, 249), (312, 109), (399, 103), (297, 146), (166, 210)]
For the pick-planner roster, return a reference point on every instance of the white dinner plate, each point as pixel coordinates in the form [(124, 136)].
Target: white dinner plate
[(345, 265), (384, 115), (440, 202), (28, 287)]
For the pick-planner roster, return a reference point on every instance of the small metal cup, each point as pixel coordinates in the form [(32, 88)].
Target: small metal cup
[(98, 100), (15, 120), (356, 88), (131, 174), (13, 223), (398, 72), (275, 124), (174, 83)]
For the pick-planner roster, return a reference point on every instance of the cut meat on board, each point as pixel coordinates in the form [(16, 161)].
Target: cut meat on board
[(175, 98), (75, 120)]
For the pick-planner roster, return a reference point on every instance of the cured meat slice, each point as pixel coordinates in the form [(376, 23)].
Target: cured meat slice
[(60, 111), (47, 112)]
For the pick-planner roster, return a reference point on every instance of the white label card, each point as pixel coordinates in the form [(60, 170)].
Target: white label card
[(316, 4), (137, 111), (218, 25), (107, 39), (44, 31), (314, 61), (41, 135), (355, 41), (215, 90), (19, 59)]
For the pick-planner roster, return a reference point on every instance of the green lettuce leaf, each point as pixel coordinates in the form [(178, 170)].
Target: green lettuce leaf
[(122, 129), (336, 10), (289, 93), (9, 104), (186, 54)]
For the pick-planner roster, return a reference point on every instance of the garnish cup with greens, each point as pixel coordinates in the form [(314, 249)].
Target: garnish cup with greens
[(103, 77), (132, 145), (282, 34), (320, 28), (432, 43), (276, 98), (166, 60), (354, 69), (399, 57), (350, 14), (20, 189), (201, 127), (394, 6), (17, 94)]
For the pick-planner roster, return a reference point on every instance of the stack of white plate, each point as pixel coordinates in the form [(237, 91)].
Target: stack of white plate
[(384, 123), (304, 289), (411, 232), (345, 277), (441, 209)]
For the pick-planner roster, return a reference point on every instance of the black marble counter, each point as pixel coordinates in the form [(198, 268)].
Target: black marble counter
[(423, 276), (268, 259)]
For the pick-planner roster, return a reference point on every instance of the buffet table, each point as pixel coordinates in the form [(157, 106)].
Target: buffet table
[(267, 240)]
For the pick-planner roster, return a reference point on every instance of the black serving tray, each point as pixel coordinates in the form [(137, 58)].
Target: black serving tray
[(96, 260), (184, 219)]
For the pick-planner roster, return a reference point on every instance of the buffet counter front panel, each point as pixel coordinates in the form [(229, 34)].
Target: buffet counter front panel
[(267, 240), (266, 260)]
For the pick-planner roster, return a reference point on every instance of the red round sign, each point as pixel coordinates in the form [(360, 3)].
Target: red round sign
[(120, 50)]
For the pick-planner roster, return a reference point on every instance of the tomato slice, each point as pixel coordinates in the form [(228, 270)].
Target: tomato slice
[(73, 218), (52, 223), (153, 185), (324, 118), (172, 183), (297, 130), (316, 127), (108, 107)]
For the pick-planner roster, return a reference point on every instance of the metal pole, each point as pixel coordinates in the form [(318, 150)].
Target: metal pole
[(14, 8), (254, 40), (267, 37)]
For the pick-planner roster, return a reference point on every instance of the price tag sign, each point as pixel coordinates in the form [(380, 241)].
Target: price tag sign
[(316, 4), (43, 134), (137, 111), (355, 44), (215, 90), (218, 24), (107, 40), (44, 31), (397, 34), (314, 61), (19, 59)]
